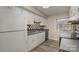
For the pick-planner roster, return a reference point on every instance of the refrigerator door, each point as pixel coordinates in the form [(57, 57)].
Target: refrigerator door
[(13, 42), (11, 18)]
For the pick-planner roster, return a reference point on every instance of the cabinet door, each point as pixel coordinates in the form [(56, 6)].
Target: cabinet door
[(11, 18), (31, 42), (13, 42), (35, 40), (40, 37)]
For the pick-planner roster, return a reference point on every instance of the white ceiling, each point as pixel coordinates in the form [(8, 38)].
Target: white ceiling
[(52, 10)]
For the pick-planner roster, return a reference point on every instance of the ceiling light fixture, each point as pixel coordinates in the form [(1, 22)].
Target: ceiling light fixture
[(45, 6)]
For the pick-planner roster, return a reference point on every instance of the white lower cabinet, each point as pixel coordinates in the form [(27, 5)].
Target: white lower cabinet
[(13, 42), (35, 39)]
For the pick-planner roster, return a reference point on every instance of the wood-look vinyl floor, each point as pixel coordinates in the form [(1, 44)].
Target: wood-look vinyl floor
[(47, 46)]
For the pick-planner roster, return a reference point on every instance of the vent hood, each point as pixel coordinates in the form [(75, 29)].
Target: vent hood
[(74, 20)]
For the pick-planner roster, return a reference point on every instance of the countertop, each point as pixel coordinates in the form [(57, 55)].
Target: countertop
[(32, 32), (68, 34)]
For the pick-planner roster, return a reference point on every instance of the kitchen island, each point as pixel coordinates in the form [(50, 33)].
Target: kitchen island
[(68, 43)]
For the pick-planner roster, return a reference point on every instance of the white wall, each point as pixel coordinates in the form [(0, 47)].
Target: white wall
[(52, 25)]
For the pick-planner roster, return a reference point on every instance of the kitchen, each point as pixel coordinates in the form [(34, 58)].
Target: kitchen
[(37, 28)]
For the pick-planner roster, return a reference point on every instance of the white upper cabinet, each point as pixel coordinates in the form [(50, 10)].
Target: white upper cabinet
[(11, 18), (25, 15), (32, 17)]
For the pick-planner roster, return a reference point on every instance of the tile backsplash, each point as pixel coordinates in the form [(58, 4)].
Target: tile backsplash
[(35, 26)]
